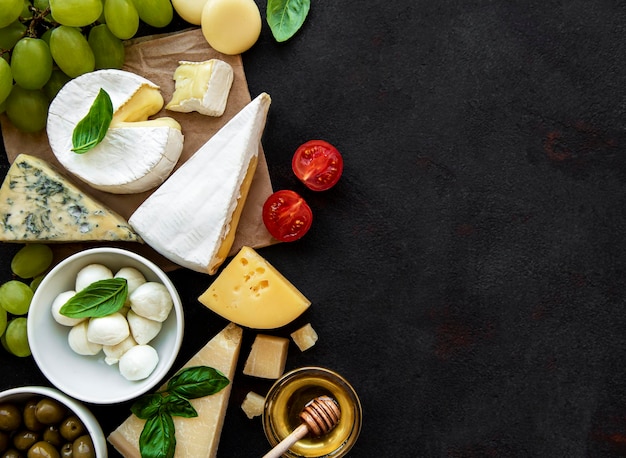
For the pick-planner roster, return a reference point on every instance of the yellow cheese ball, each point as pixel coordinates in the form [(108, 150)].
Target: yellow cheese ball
[(189, 10), (231, 26)]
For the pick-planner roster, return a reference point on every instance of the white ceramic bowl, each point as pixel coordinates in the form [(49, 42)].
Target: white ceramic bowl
[(24, 393), (90, 378)]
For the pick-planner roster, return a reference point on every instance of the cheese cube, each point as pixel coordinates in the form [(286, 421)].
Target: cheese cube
[(305, 337), (252, 293), (267, 357), (202, 87), (253, 405)]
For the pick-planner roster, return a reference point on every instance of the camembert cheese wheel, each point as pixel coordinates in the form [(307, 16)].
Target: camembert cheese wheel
[(137, 153)]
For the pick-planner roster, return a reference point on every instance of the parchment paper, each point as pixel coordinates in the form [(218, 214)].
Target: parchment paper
[(156, 58)]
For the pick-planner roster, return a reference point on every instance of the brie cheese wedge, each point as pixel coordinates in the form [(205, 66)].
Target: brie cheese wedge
[(202, 87), (136, 154), (38, 204), (192, 217)]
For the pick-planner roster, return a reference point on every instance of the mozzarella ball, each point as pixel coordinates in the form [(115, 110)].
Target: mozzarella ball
[(113, 353), (133, 277), (91, 274), (143, 329), (59, 302), (152, 300), (77, 338), (108, 330), (138, 362)]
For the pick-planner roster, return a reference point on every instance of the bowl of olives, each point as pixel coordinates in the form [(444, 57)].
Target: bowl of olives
[(42, 422), (105, 325)]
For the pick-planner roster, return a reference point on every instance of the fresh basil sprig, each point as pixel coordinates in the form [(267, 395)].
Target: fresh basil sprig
[(158, 438), (285, 17), (99, 299), (93, 127)]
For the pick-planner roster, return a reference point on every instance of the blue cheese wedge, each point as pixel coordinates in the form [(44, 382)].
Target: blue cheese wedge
[(192, 217), (38, 204), (137, 154), (202, 87)]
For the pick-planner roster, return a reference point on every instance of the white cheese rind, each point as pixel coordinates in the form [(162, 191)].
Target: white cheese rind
[(131, 158), (203, 193), (38, 204), (202, 87)]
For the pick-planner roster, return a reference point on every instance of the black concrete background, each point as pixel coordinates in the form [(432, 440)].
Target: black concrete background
[(467, 272)]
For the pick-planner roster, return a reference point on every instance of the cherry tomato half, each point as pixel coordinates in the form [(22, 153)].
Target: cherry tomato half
[(318, 164), (287, 216)]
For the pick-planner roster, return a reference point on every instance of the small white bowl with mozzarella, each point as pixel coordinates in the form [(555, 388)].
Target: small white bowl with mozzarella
[(117, 352)]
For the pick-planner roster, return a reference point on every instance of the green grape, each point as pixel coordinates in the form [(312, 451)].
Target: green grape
[(122, 18), (71, 52), (3, 320), (76, 13), (10, 10), (31, 63), (27, 109), (3, 107), (15, 338), (31, 260), (26, 12), (41, 5), (107, 48), (6, 80), (15, 297), (157, 13), (55, 83), (36, 281), (10, 34)]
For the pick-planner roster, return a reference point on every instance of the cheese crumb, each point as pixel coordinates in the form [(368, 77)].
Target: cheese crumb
[(253, 405), (305, 337), (267, 357)]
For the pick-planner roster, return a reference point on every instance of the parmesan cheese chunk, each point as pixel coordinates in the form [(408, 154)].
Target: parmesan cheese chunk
[(253, 405), (267, 357), (305, 337), (202, 87), (199, 436)]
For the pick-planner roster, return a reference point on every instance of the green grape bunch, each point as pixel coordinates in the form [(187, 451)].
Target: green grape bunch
[(45, 43)]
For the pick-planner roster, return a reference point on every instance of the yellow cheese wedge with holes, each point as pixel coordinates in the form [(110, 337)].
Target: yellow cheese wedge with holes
[(251, 292)]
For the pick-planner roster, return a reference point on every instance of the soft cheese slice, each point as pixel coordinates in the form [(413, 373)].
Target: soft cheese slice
[(202, 87), (251, 292), (205, 196), (137, 153), (38, 204), (199, 436)]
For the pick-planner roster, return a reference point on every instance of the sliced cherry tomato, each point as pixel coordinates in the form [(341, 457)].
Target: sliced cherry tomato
[(287, 216), (318, 164)]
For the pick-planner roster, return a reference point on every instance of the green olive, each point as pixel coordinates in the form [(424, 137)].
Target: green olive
[(4, 441), (24, 439), (66, 450), (10, 417), (50, 411), (29, 418), (11, 453), (83, 447), (72, 428), (53, 435), (43, 449)]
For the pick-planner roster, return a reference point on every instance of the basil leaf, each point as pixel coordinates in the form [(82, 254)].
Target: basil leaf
[(147, 406), (93, 127), (99, 299), (196, 382), (158, 439), (179, 406), (285, 17)]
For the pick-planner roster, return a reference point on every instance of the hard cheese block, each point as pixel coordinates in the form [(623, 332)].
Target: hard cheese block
[(204, 198), (199, 436), (267, 357), (38, 204), (252, 293)]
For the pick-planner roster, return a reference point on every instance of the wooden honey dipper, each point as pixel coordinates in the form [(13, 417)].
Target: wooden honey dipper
[(319, 417)]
